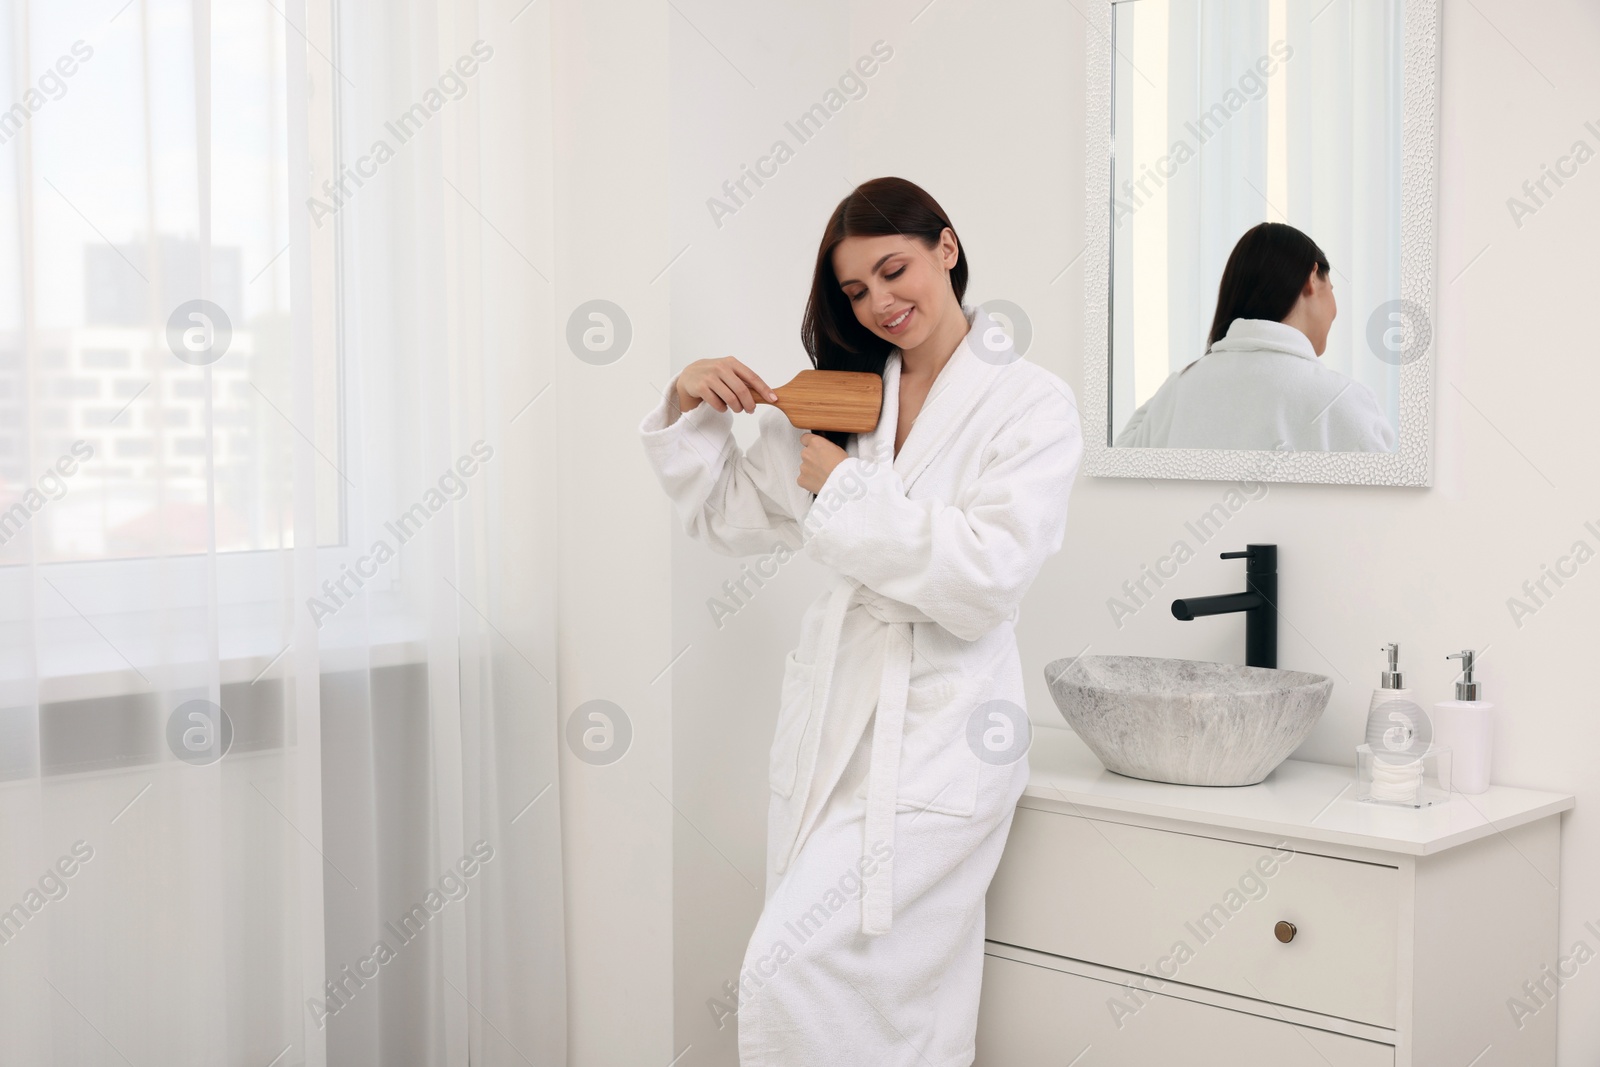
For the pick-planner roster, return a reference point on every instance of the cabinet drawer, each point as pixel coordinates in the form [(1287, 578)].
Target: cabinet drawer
[(1202, 912), (1030, 1015)]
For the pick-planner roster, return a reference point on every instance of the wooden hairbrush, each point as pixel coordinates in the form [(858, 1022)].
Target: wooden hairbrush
[(846, 401)]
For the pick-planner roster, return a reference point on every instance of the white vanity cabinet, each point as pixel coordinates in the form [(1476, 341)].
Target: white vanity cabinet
[(1285, 923)]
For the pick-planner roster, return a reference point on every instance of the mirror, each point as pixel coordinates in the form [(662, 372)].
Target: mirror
[(1261, 203)]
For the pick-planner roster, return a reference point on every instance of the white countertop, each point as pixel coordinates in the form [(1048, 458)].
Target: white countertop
[(1308, 801)]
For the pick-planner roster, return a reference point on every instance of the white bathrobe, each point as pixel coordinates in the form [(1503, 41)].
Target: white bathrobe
[(1262, 386), (872, 777)]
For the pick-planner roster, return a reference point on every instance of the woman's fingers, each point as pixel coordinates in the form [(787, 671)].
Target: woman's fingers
[(732, 381), (722, 397), (730, 385), (754, 379)]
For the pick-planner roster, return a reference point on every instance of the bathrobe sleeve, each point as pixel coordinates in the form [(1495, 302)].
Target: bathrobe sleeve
[(739, 504), (1358, 424), (1135, 433), (1150, 421), (965, 568)]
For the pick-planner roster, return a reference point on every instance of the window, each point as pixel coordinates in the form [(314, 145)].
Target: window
[(115, 260), (124, 457)]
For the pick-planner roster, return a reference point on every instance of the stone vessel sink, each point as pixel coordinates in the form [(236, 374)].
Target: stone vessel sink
[(1184, 721)]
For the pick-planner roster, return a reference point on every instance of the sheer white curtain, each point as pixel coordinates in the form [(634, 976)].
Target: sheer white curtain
[(276, 668), (1344, 184)]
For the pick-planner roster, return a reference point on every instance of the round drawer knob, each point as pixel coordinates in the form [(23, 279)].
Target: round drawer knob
[(1284, 931)]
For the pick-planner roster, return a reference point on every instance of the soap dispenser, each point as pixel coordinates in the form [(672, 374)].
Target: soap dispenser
[(1399, 763), (1466, 725), (1390, 689)]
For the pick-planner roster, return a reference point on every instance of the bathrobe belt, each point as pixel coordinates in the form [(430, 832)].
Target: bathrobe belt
[(883, 776)]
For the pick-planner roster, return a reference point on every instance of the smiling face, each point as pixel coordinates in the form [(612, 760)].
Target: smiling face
[(898, 287)]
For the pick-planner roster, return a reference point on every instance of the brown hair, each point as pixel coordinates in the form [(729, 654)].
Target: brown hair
[(1264, 275), (830, 332)]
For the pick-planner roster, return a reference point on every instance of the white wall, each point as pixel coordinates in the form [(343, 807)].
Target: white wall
[(983, 105), (608, 93)]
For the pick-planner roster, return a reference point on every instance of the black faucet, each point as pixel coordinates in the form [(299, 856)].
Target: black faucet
[(1259, 602)]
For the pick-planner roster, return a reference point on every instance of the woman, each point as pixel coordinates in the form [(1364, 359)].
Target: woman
[(930, 530), (1258, 385)]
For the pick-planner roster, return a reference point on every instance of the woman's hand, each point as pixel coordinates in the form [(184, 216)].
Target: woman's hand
[(723, 383), (818, 457)]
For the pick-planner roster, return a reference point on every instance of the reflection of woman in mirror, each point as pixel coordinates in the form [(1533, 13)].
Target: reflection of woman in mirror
[(1259, 384)]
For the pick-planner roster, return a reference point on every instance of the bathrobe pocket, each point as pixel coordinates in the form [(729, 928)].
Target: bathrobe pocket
[(794, 711), (938, 771)]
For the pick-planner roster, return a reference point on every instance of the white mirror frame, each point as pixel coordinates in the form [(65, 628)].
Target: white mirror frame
[(1411, 463)]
